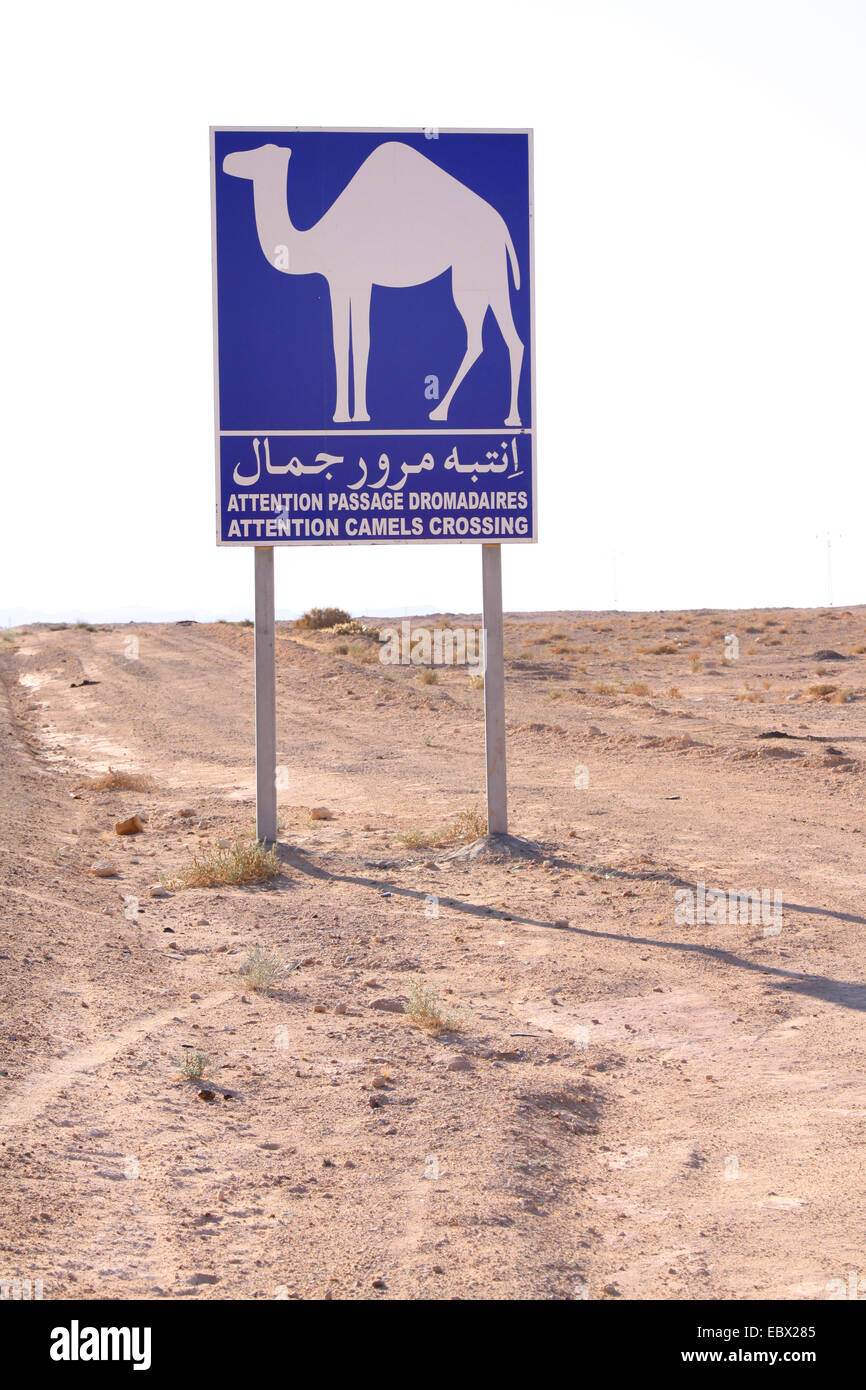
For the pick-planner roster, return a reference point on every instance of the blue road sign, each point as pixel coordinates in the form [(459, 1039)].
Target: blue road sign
[(374, 336)]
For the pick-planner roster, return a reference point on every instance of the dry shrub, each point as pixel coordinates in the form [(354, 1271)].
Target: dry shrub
[(638, 688), (116, 779), (428, 677), (316, 618), (822, 692)]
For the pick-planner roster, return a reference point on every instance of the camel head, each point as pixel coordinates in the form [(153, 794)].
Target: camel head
[(265, 162)]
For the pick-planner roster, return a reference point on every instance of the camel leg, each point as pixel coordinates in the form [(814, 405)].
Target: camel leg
[(472, 306), (340, 328), (500, 303), (360, 349)]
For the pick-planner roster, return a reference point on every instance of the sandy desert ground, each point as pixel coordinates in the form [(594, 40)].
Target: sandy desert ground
[(626, 1106)]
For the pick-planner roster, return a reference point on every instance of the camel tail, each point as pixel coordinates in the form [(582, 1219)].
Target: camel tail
[(512, 256)]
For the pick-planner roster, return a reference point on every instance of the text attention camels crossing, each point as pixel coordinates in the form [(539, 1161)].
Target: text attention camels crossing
[(400, 221)]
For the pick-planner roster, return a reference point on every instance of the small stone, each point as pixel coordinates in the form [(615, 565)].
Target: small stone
[(203, 1279), (186, 811), (102, 869), (321, 813), (391, 1006), (132, 826), (379, 1284), (158, 890), (613, 1289), (547, 863), (207, 1095), (380, 1081), (459, 1064), (319, 1009)]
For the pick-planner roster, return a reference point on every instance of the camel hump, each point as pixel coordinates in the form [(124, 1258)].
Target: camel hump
[(395, 152), (395, 162)]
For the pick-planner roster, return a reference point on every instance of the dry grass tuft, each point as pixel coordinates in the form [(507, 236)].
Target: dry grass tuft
[(355, 628), (467, 826), (262, 969), (244, 862), (424, 1010), (117, 780), (193, 1065), (427, 677)]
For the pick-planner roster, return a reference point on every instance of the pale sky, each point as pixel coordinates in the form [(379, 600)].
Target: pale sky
[(700, 203)]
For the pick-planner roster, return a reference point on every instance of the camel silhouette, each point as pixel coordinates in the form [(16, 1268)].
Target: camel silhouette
[(400, 221)]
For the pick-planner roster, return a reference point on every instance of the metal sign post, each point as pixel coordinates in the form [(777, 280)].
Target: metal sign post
[(494, 690), (266, 698)]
